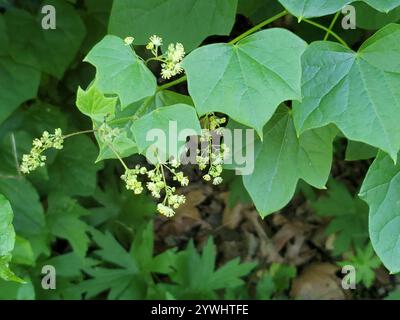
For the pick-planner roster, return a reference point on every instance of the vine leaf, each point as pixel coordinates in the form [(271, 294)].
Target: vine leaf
[(247, 81), (39, 48), (120, 71), (356, 91), (63, 220), (319, 8), (380, 190), (7, 240), (188, 22), (283, 158), (168, 121), (73, 171), (14, 89), (94, 104)]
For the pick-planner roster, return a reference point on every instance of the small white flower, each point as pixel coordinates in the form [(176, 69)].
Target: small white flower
[(129, 40), (156, 40)]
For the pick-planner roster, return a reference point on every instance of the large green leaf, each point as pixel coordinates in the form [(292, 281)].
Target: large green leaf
[(73, 171), (50, 51), (28, 212), (120, 71), (283, 158), (369, 18), (247, 81), (357, 91), (188, 22), (381, 190), (7, 240), (318, 8), (18, 83), (63, 218), (170, 121)]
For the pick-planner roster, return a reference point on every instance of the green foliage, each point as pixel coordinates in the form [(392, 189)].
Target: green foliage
[(353, 97), (188, 22), (116, 66), (349, 217), (76, 214), (275, 281), (197, 278), (7, 240), (318, 8), (364, 261), (380, 190), (249, 79), (285, 158)]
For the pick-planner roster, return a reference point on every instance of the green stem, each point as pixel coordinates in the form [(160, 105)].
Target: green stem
[(153, 59), (118, 156), (316, 24), (259, 26), (332, 25), (172, 83), (78, 133)]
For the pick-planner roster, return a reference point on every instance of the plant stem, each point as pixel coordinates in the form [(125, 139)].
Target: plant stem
[(118, 156), (332, 25), (259, 26), (316, 24), (77, 133), (172, 83)]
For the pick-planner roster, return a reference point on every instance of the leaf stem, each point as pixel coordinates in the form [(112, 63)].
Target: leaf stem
[(316, 24), (332, 25), (259, 26), (172, 83)]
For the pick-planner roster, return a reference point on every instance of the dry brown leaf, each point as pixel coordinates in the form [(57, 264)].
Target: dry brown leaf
[(318, 282)]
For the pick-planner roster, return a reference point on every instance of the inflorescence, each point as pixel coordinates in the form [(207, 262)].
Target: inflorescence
[(35, 158)]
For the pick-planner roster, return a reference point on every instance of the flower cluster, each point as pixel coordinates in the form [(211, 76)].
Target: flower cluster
[(35, 158), (157, 185), (107, 133), (212, 157), (171, 59)]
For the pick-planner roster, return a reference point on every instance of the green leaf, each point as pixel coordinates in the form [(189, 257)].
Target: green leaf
[(380, 190), (188, 22), (23, 253), (257, 10), (319, 8), (120, 71), (246, 81), (14, 87), (94, 104), (63, 219), (131, 277), (349, 217), (42, 49), (28, 212), (7, 240), (283, 158), (365, 262), (371, 19), (275, 281), (73, 171), (359, 151), (197, 276), (354, 90), (169, 121), (125, 143)]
